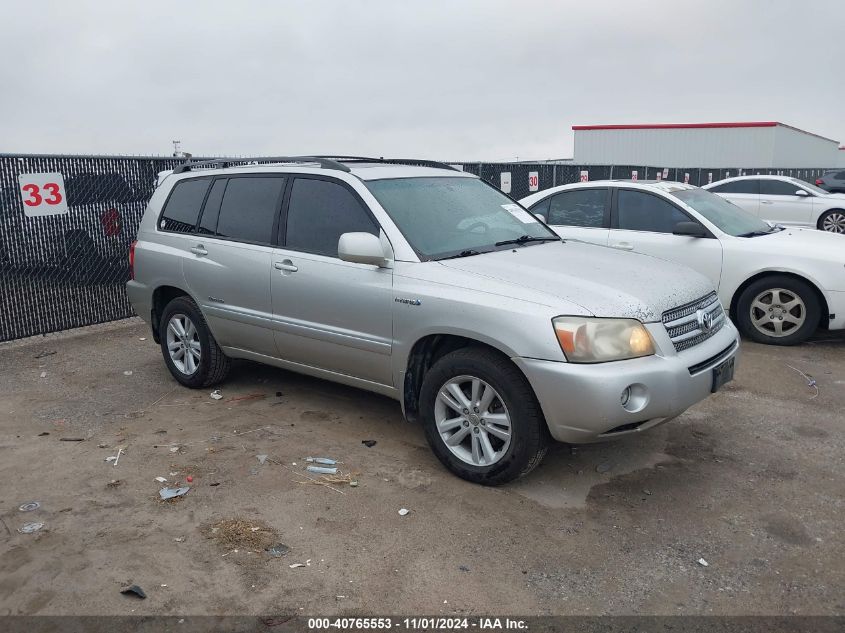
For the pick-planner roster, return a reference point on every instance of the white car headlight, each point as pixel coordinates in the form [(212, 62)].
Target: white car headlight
[(591, 340)]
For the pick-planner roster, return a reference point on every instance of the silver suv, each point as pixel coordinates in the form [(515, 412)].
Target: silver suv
[(425, 284)]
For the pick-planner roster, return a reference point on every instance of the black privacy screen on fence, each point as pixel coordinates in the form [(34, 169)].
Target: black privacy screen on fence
[(66, 223), (65, 228)]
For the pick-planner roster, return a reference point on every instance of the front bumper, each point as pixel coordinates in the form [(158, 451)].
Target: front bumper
[(582, 403)]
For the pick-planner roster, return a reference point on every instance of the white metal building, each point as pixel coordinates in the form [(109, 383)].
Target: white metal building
[(720, 145)]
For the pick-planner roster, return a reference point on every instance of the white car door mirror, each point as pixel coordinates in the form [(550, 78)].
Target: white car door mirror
[(361, 248), (801, 192), (689, 229), (540, 217)]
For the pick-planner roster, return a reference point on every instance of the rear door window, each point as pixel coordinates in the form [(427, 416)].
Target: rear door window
[(752, 186), (211, 211), (249, 208), (182, 208), (580, 207), (319, 212)]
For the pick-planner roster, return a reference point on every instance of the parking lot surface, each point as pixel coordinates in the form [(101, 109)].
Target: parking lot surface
[(749, 482)]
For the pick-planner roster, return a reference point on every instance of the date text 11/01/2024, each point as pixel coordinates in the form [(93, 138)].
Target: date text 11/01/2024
[(416, 624)]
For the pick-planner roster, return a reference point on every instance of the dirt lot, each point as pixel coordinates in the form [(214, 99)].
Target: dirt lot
[(751, 481)]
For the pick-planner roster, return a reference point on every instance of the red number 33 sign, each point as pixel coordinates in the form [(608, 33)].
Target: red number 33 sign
[(43, 194)]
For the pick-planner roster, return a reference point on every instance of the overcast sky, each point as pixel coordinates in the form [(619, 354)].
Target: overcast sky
[(436, 79)]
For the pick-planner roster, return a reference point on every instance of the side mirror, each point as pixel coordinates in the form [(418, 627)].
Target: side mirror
[(690, 229), (540, 217), (361, 248), (801, 192)]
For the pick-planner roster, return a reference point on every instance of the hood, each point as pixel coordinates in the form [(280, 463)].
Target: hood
[(803, 243), (834, 196), (605, 282)]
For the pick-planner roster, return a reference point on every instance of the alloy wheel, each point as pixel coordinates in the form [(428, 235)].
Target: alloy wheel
[(778, 312), (473, 421), (183, 344), (834, 222)]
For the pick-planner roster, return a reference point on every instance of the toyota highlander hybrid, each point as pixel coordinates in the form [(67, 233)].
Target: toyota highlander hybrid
[(427, 285)]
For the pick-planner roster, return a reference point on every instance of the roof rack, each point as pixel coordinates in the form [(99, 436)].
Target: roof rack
[(322, 161), (390, 161)]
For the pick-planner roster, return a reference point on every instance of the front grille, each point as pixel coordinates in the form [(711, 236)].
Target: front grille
[(686, 324)]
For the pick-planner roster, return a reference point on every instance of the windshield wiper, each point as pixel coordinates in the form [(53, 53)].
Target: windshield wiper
[(759, 233), (524, 239), (467, 253)]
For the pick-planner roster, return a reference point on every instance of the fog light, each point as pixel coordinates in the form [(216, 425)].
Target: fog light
[(634, 398)]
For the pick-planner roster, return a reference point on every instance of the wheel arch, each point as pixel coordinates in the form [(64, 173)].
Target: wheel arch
[(426, 351), (161, 297), (825, 316)]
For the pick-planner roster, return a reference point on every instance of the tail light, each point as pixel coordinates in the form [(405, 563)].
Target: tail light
[(132, 260), (819, 182)]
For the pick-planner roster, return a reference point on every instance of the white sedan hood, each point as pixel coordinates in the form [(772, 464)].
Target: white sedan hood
[(604, 281)]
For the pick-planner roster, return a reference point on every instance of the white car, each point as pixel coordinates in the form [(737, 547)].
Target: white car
[(784, 200), (779, 284)]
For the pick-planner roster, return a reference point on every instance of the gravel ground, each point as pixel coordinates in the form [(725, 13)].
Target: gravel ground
[(751, 481)]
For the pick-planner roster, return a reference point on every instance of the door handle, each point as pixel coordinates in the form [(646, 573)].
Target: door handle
[(766, 202), (623, 246), (199, 249), (285, 266)]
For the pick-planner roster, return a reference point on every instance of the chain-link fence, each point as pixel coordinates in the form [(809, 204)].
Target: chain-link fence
[(66, 223), (521, 179)]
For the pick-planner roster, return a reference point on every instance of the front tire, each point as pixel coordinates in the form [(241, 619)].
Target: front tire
[(190, 352), (481, 417), (832, 221), (778, 310)]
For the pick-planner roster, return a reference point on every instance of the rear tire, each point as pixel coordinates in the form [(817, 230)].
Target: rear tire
[(832, 221), (190, 352), (778, 310), (511, 406)]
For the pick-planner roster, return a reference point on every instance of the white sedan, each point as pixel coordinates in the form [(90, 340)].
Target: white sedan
[(785, 200), (779, 284)]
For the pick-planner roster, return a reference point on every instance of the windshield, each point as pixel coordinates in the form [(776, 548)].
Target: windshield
[(812, 188), (448, 216), (727, 216)]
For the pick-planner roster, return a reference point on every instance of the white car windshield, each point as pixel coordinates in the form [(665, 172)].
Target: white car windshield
[(727, 216), (444, 217)]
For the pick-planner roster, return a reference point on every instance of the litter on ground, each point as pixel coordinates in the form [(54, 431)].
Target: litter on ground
[(322, 470), (133, 590), (325, 461), (29, 528), (170, 493)]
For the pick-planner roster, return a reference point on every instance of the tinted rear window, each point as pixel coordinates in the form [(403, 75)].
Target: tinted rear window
[(183, 206), (581, 207), (208, 221), (249, 208), (751, 186)]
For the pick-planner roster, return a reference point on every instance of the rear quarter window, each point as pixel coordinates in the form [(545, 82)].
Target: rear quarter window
[(183, 206)]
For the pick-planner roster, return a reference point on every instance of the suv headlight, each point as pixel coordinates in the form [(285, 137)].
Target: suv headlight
[(591, 340)]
